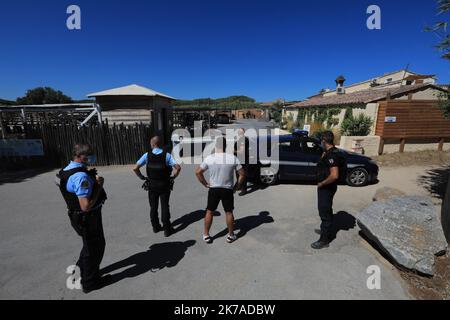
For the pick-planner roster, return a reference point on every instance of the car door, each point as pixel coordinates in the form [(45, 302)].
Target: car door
[(293, 165), (312, 152)]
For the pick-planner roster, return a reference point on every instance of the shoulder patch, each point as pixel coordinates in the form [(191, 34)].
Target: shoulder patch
[(331, 161)]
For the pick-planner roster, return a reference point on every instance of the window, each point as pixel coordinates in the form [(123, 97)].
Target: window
[(289, 146), (389, 80)]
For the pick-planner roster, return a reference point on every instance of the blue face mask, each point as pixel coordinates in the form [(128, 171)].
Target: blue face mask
[(91, 160)]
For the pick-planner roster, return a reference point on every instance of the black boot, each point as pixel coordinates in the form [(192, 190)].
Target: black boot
[(169, 231), (322, 243), (157, 228)]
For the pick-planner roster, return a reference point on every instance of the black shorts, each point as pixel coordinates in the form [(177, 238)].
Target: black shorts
[(215, 195)]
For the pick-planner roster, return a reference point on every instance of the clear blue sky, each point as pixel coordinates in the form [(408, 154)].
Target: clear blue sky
[(212, 48)]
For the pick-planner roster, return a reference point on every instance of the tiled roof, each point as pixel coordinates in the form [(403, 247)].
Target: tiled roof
[(362, 97)]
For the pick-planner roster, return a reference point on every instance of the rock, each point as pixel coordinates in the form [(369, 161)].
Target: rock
[(387, 193), (445, 213), (407, 229)]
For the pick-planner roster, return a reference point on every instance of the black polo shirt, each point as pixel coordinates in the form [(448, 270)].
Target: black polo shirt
[(331, 158)]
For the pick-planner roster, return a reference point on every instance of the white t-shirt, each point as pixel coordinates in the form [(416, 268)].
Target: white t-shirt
[(221, 168)]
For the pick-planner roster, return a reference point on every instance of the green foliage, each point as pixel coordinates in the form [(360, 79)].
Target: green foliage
[(357, 126), (444, 103), (348, 113), (440, 29), (318, 133), (276, 114), (233, 102), (301, 117), (43, 95)]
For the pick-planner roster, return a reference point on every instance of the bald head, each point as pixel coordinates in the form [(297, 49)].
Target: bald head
[(156, 142)]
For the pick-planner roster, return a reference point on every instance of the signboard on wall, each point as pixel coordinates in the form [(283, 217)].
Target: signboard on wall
[(390, 119), (21, 148)]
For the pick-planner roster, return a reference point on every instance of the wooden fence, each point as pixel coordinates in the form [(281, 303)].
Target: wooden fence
[(414, 121), (113, 145)]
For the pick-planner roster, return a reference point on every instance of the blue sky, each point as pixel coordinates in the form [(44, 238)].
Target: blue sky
[(196, 48)]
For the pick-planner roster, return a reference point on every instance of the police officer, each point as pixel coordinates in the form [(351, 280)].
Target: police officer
[(160, 165), (329, 168), (83, 192)]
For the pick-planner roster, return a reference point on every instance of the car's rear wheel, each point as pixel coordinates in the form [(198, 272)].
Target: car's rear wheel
[(358, 177), (268, 176)]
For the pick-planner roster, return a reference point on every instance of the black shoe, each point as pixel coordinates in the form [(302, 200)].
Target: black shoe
[(99, 284), (168, 232), (321, 244), (242, 193), (157, 228)]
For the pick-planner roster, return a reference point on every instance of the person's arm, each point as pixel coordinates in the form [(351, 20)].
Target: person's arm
[(176, 168), (137, 169), (87, 203), (176, 171), (199, 172), (333, 177), (241, 178)]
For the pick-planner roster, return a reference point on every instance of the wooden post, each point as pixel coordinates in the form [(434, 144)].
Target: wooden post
[(402, 145), (99, 113), (381, 147), (441, 144)]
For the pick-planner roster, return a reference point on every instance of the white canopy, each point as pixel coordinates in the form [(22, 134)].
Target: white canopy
[(131, 90)]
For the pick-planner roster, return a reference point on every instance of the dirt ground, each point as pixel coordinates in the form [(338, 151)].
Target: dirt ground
[(434, 181), (431, 158)]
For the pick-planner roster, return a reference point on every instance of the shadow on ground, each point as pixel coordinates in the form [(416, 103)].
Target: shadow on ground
[(342, 221), (17, 176), (435, 181), (190, 218), (157, 257), (246, 224)]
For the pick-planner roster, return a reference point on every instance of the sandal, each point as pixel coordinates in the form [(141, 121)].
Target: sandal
[(231, 238), (207, 239)]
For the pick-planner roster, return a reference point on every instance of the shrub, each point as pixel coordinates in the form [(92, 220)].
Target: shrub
[(357, 126)]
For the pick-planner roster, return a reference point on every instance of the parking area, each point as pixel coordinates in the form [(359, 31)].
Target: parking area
[(271, 260)]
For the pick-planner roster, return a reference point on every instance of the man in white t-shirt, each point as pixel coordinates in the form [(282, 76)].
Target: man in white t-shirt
[(221, 167)]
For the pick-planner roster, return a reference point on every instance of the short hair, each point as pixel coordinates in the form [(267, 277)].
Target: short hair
[(157, 140), (328, 137), (81, 149), (221, 143)]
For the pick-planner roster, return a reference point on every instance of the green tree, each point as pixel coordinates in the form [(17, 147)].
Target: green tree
[(357, 126), (43, 95), (440, 29)]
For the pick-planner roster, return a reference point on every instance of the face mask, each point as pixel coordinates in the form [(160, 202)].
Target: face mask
[(91, 160)]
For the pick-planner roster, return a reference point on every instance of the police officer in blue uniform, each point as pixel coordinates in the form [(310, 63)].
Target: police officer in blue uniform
[(83, 192), (159, 181), (330, 169)]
